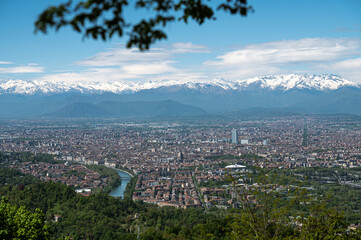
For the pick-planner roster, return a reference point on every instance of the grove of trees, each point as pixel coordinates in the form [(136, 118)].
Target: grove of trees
[(28, 211)]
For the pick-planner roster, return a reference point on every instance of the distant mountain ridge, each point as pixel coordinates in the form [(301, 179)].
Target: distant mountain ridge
[(297, 93), (112, 109), (323, 82)]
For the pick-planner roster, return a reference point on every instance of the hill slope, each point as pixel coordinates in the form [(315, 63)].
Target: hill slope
[(114, 109)]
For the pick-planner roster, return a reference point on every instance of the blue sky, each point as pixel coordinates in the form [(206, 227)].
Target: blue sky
[(280, 37)]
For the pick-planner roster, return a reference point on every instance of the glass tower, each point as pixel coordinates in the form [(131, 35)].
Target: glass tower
[(234, 136)]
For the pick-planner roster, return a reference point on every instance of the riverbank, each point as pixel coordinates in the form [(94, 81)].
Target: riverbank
[(114, 179), (126, 178), (125, 171), (128, 193)]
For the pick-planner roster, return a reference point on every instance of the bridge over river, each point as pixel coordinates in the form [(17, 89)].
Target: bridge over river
[(126, 178)]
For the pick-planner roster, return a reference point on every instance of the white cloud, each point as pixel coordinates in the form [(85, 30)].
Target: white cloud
[(121, 64), (126, 74), (347, 64), (90, 75), (22, 69), (5, 62), (290, 51), (149, 68), (349, 68), (116, 57), (242, 73), (188, 47), (286, 56), (309, 55), (121, 56)]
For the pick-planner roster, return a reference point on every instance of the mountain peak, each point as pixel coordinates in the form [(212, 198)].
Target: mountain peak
[(322, 82), (284, 82)]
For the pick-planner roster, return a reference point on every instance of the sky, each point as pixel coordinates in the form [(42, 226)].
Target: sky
[(279, 37)]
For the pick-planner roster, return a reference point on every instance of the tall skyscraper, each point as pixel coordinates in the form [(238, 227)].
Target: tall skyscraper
[(234, 136), (305, 137)]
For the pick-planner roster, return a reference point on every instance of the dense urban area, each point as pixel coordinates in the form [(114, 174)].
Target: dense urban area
[(186, 164)]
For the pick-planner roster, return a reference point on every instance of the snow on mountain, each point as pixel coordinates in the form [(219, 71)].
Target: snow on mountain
[(278, 82), (305, 81)]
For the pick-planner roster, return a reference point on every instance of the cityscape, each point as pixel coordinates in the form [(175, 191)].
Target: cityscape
[(184, 164), (180, 120)]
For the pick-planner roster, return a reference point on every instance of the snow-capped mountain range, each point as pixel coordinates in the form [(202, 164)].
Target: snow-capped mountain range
[(299, 93), (323, 82)]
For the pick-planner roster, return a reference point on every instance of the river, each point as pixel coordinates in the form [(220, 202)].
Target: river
[(119, 191)]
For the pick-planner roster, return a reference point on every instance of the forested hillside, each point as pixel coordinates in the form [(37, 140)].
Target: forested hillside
[(67, 214)]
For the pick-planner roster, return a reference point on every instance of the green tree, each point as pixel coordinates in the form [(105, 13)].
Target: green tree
[(104, 18), (265, 208), (323, 223), (152, 234), (19, 223), (270, 211)]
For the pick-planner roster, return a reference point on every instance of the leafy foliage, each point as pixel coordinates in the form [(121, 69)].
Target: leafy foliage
[(129, 189), (115, 179), (104, 18), (19, 223), (265, 213), (272, 211), (323, 223), (12, 177), (103, 217)]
